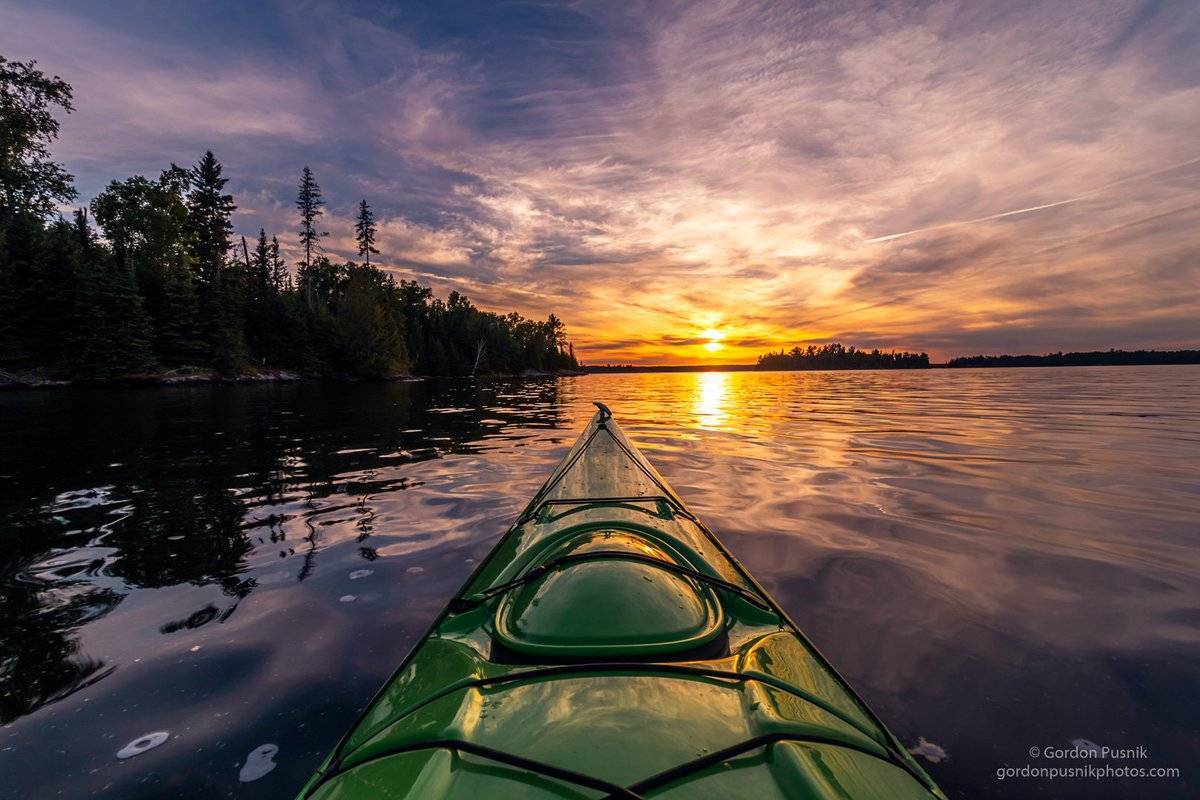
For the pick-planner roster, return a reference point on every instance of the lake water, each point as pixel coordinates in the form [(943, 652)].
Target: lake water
[(996, 559)]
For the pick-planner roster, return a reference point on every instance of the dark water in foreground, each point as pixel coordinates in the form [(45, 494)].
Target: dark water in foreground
[(996, 559)]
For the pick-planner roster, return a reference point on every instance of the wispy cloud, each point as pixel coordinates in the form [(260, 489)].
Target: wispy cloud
[(1001, 215)]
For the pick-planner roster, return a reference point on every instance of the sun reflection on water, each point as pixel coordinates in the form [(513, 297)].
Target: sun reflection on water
[(712, 392)]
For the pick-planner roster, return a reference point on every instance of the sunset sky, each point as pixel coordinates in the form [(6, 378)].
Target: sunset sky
[(691, 182)]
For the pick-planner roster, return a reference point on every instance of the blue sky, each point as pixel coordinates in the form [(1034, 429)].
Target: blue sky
[(955, 177)]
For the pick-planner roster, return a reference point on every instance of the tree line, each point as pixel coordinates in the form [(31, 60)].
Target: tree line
[(163, 283), (1095, 358), (838, 356)]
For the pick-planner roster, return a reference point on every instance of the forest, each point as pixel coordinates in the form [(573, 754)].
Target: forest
[(838, 356), (1095, 358), (150, 279)]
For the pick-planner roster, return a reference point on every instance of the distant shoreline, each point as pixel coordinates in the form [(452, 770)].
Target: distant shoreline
[(606, 368), (751, 368), (1099, 358)]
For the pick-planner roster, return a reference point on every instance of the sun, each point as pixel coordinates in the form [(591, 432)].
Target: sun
[(714, 337)]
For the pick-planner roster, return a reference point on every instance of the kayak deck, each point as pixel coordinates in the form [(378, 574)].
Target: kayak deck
[(610, 646)]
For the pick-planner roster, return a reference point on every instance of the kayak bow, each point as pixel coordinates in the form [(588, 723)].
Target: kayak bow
[(610, 646)]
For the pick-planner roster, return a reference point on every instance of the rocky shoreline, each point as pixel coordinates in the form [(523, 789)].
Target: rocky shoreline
[(35, 380), (196, 376)]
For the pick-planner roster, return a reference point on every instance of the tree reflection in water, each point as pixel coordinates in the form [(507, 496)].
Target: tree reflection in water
[(165, 487)]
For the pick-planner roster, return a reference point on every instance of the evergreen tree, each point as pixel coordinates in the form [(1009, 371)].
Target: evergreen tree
[(21, 282), (178, 339), (114, 335), (280, 276), (52, 303), (38, 292), (364, 232), (262, 278), (310, 205), (370, 338), (209, 211), (76, 334), (268, 324)]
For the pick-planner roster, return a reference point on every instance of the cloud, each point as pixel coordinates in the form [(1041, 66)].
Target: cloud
[(945, 177), (138, 104)]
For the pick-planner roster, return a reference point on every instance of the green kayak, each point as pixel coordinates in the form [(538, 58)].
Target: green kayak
[(610, 646)]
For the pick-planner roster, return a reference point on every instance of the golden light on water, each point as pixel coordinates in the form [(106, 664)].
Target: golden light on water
[(712, 390)]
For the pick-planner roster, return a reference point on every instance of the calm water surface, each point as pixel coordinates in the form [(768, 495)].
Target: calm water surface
[(995, 559)]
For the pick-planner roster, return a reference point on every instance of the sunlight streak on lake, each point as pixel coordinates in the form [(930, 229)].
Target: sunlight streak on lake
[(711, 392)]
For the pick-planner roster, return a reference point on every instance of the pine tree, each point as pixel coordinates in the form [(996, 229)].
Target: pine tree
[(209, 211), (77, 334), (309, 202), (262, 279), (369, 339), (364, 232), (280, 276), (36, 304), (179, 341), (267, 320), (53, 310), (20, 286), (114, 339)]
